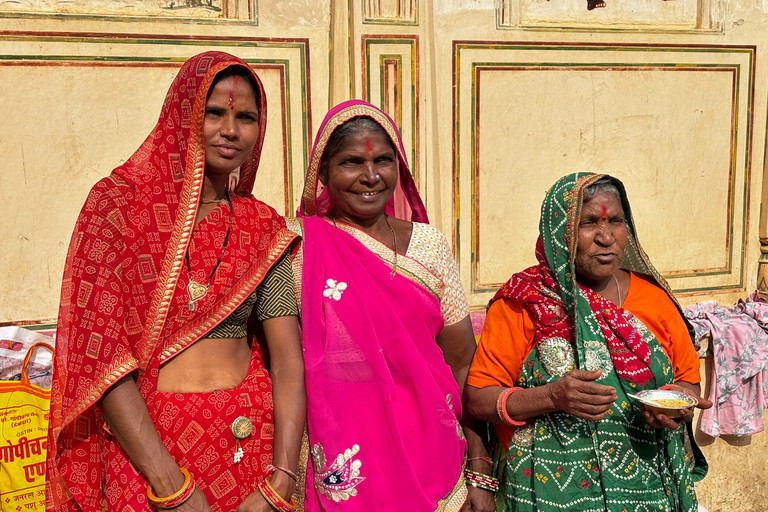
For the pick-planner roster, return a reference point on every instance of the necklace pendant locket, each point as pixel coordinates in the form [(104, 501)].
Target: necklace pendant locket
[(196, 291)]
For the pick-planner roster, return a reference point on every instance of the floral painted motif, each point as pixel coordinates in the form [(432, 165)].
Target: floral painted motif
[(334, 289), (338, 481)]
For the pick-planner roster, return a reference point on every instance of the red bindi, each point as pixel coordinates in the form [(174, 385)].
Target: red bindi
[(233, 91), (604, 217), (368, 146)]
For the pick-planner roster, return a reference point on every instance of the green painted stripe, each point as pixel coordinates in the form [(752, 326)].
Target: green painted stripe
[(651, 65), (398, 23), (368, 68), (202, 41), (638, 48), (288, 138), (613, 30), (37, 327)]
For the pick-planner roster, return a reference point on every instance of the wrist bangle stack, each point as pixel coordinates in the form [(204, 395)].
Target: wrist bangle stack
[(176, 499), (481, 481), (273, 498), (501, 408)]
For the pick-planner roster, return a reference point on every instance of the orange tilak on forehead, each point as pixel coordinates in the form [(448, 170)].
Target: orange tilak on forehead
[(604, 217), (368, 146)]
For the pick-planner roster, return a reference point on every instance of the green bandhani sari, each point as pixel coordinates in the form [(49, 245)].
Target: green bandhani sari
[(557, 462)]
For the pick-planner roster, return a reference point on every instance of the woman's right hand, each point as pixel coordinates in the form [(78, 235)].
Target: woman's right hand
[(577, 394)]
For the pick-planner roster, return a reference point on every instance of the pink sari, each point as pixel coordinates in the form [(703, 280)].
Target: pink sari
[(383, 407)]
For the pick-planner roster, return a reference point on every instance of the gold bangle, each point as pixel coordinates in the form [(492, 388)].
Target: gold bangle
[(154, 499)]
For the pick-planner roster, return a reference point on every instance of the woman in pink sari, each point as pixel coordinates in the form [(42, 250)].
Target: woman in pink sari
[(386, 332)]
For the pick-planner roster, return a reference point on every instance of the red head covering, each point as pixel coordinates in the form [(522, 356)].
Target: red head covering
[(123, 294), (404, 204)]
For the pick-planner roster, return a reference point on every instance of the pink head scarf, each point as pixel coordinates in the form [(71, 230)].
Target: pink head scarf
[(405, 203)]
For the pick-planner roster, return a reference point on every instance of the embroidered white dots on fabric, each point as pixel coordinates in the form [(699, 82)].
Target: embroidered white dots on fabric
[(429, 247)]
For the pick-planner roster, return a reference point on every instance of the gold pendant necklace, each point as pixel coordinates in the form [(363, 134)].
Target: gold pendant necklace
[(195, 290), (394, 239)]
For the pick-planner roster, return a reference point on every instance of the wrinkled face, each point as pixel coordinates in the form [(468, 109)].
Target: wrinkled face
[(362, 176), (602, 238), (231, 125)]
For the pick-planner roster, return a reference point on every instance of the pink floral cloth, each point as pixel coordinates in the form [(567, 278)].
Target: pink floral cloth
[(739, 383)]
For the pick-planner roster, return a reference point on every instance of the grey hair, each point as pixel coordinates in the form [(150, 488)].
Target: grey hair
[(341, 135), (604, 185)]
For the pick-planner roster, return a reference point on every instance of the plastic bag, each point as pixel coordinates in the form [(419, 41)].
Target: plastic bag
[(23, 441)]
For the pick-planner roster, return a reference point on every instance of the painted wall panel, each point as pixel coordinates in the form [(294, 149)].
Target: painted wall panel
[(96, 111), (672, 122)]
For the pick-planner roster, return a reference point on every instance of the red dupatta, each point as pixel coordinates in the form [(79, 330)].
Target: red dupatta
[(123, 300)]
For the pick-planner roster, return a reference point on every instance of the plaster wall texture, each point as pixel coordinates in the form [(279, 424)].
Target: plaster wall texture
[(495, 98)]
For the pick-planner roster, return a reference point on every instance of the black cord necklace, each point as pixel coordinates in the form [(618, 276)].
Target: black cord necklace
[(195, 290)]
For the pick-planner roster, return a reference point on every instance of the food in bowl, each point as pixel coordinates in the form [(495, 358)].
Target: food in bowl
[(666, 401)]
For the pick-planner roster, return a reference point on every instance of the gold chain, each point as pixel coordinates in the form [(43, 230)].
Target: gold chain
[(394, 243)]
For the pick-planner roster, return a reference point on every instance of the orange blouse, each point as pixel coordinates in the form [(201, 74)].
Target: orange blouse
[(508, 333)]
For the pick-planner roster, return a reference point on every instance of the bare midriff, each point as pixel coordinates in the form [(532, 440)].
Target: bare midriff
[(210, 364)]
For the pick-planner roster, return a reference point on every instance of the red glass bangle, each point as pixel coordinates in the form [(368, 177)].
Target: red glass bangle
[(501, 408), (274, 499), (178, 501)]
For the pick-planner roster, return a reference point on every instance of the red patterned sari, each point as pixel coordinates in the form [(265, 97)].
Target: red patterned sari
[(124, 310)]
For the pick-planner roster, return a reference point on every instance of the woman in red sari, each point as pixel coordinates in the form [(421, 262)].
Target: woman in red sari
[(155, 377)]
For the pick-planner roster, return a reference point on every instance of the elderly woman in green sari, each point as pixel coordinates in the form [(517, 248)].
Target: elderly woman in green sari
[(565, 347)]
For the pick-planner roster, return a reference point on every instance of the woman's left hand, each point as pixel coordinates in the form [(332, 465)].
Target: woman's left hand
[(254, 502), (478, 500), (661, 420)]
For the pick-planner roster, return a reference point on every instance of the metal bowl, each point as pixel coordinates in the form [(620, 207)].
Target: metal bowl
[(648, 398)]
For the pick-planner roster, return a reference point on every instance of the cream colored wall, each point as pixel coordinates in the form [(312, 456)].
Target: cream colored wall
[(495, 98), (82, 92)]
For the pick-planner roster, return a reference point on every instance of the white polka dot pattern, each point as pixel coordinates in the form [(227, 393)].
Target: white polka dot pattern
[(429, 247)]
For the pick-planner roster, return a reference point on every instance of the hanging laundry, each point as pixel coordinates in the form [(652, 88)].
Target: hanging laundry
[(739, 381)]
